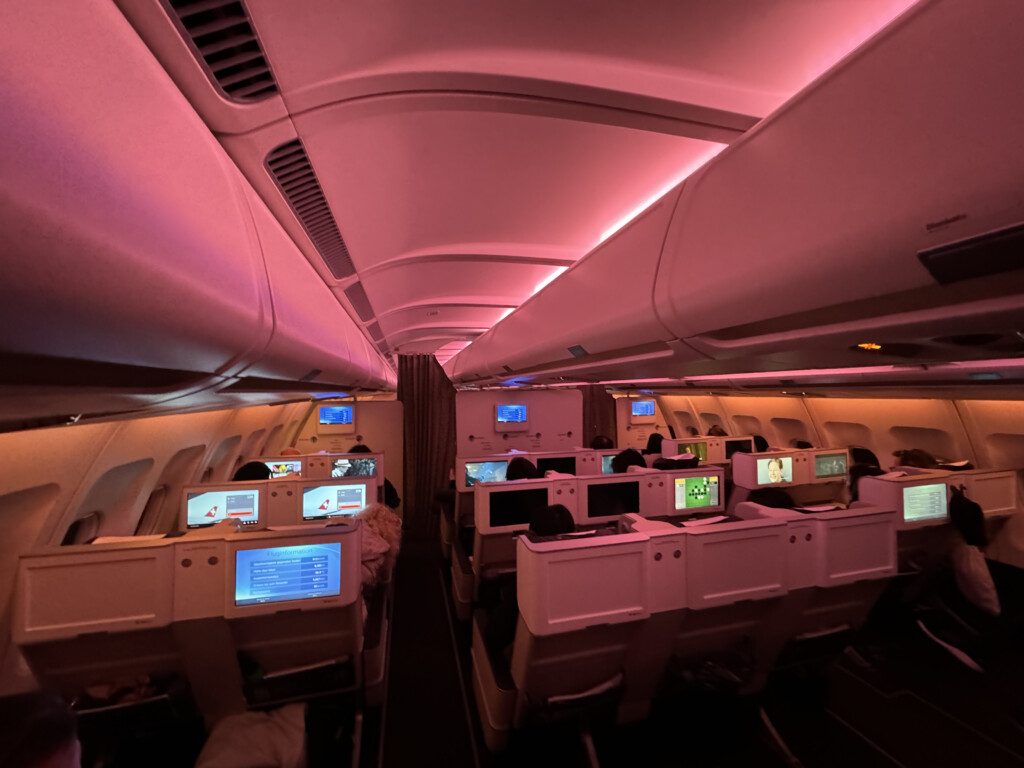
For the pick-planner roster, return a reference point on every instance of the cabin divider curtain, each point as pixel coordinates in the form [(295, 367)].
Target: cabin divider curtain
[(598, 414), (428, 403)]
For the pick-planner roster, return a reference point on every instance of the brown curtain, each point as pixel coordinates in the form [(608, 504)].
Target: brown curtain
[(598, 414), (428, 403)]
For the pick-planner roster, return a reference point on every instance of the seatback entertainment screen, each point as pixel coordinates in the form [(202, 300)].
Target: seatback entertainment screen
[(277, 574), (207, 508)]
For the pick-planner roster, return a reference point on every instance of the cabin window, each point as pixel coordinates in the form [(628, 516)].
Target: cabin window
[(711, 420), (937, 442), (685, 420), (844, 433), (271, 445), (1006, 450), (748, 425), (788, 430), (83, 530), (149, 520)]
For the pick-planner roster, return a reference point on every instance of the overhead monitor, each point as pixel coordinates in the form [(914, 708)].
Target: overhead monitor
[(830, 465), (606, 501), (509, 506), (700, 450), (325, 500), (510, 418), (641, 412), (283, 467), (925, 502), (564, 464), (289, 573), (701, 493), (208, 504), (354, 465), (336, 419), (484, 471), (740, 445), (776, 470)]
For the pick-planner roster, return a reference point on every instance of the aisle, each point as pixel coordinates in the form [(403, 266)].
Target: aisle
[(425, 717)]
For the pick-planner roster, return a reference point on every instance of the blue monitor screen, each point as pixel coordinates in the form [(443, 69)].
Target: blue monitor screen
[(643, 407), (606, 464), (332, 500), (336, 414), (485, 472), (276, 574), (512, 414)]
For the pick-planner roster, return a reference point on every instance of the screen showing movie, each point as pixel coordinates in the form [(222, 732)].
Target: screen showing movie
[(485, 472), (511, 414), (563, 464), (696, 492), (336, 414), (207, 508), (606, 464), (352, 466), (830, 465), (516, 507), (333, 500), (738, 446), (643, 407), (284, 468), (924, 502), (613, 499), (700, 450), (775, 470), (277, 574)]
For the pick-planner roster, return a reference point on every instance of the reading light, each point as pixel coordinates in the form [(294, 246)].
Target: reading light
[(869, 346)]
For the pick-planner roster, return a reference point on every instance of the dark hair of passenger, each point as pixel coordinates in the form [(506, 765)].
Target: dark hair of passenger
[(915, 457), (801, 445), (967, 517), (34, 728), (717, 431), (627, 458), (857, 471), (654, 442), (521, 468), (776, 498), (662, 463), (601, 443), (760, 444), (253, 470), (360, 448), (553, 520), (692, 431), (860, 455)]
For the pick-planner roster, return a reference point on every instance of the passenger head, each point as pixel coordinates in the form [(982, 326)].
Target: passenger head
[(857, 471), (552, 521), (521, 468), (627, 458), (776, 498), (859, 455), (383, 521), (717, 431), (801, 445), (360, 448), (760, 444), (602, 443), (915, 457), (775, 470), (654, 442), (967, 517), (692, 431), (37, 730), (253, 470), (291, 451)]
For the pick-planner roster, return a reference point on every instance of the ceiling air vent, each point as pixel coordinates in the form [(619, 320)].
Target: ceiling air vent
[(375, 333), (291, 169), (227, 46), (360, 302)]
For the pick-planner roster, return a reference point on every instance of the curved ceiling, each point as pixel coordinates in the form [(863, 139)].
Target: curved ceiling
[(469, 152)]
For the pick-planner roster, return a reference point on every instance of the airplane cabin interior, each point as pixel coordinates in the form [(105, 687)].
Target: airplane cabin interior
[(482, 385)]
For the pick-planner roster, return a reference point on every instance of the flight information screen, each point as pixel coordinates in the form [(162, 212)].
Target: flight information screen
[(643, 407), (276, 574), (336, 414), (694, 492), (213, 506), (331, 500), (511, 414), (924, 502)]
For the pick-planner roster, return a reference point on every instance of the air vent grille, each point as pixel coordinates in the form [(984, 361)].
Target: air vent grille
[(360, 302), (290, 167), (375, 333), (226, 43)]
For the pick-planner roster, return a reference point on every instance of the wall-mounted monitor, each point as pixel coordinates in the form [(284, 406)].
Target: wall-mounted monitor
[(335, 499), (563, 464), (205, 505), (510, 417), (738, 445), (507, 507), (831, 465), (336, 419), (287, 573), (926, 502), (700, 493), (606, 500), (483, 471), (282, 467), (641, 412)]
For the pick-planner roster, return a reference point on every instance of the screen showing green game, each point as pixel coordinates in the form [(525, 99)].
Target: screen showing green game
[(696, 492)]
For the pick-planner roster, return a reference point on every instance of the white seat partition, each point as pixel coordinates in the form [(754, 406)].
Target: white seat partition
[(729, 562)]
